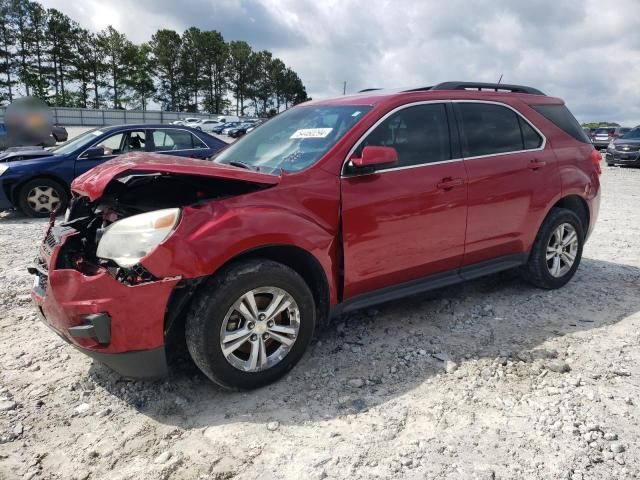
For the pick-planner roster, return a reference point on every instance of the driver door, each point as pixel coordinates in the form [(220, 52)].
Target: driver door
[(405, 221)]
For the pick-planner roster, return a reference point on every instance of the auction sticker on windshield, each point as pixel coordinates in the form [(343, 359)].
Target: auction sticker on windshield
[(311, 133)]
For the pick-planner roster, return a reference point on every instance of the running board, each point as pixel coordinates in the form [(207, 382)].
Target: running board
[(431, 282)]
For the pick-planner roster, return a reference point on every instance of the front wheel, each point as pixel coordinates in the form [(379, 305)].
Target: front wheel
[(41, 196), (557, 250), (250, 324)]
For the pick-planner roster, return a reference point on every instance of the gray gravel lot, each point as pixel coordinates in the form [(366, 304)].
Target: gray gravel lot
[(492, 379)]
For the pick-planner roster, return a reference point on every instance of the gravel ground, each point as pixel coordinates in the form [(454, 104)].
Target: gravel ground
[(492, 379)]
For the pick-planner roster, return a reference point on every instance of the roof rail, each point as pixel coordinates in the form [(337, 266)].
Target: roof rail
[(486, 86), (368, 90)]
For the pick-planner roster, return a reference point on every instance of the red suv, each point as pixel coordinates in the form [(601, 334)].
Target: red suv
[(331, 206)]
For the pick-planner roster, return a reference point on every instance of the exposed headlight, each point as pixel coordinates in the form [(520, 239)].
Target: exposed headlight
[(128, 240), (3, 168)]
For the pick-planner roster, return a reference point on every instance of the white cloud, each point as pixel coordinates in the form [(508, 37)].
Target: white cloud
[(584, 51)]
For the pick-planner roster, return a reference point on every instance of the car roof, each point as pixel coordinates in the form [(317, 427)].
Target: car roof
[(374, 97)]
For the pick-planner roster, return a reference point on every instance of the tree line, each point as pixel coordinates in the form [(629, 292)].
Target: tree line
[(46, 54)]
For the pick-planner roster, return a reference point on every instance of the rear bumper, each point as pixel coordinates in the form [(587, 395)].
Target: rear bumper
[(117, 324)]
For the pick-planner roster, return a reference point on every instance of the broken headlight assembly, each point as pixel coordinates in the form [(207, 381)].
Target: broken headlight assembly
[(128, 240)]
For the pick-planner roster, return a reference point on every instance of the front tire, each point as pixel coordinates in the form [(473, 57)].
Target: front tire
[(41, 196), (250, 324), (557, 250)]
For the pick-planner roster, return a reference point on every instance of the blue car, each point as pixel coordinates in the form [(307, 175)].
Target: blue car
[(37, 180)]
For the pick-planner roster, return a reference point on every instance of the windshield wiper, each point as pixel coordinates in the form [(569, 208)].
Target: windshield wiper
[(237, 163)]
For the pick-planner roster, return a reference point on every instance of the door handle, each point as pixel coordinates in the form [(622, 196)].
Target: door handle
[(448, 183), (535, 164)]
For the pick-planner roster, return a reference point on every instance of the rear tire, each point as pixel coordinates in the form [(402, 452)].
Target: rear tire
[(39, 197), (225, 328), (557, 250)]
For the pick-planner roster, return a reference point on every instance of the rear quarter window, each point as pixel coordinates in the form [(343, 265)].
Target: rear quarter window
[(562, 118)]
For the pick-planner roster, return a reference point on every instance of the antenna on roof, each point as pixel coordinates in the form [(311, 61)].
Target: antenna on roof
[(500, 79)]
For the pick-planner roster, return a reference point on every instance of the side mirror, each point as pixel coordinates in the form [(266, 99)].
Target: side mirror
[(375, 156), (94, 152)]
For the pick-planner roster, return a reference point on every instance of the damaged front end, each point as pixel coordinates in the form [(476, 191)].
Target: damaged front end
[(135, 195), (91, 286)]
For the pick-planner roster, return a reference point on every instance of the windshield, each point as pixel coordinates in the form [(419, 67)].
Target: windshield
[(79, 141), (633, 134), (295, 139)]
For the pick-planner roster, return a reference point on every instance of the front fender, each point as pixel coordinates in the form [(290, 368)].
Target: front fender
[(210, 236)]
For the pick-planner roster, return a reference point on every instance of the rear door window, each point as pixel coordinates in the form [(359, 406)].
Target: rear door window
[(489, 129)]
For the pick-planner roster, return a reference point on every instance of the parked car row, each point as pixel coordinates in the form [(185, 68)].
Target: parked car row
[(237, 129), (230, 125), (37, 180), (601, 137)]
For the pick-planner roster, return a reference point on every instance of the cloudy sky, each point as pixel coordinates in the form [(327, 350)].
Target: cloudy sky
[(585, 51)]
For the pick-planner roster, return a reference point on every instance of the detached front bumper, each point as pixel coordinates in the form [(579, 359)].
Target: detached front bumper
[(119, 325)]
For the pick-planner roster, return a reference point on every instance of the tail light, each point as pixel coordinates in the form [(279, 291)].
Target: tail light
[(595, 159)]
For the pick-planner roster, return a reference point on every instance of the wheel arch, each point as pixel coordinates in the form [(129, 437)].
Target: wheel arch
[(577, 205), (296, 258), (303, 263)]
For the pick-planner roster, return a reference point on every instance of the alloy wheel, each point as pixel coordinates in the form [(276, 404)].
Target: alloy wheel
[(260, 329), (562, 250)]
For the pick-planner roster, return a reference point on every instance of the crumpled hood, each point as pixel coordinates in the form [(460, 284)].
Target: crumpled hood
[(21, 153), (92, 183)]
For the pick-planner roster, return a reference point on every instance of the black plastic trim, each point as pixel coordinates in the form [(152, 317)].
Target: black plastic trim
[(431, 282), (487, 86), (97, 327), (140, 364)]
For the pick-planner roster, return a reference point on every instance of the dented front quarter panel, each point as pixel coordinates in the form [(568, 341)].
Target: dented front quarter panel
[(303, 211)]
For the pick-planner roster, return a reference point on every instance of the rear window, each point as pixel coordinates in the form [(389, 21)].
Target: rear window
[(604, 131), (563, 119)]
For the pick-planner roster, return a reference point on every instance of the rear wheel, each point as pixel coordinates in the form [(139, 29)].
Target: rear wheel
[(250, 324), (41, 196), (557, 250)]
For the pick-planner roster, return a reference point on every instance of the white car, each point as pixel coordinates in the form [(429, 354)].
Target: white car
[(206, 125), (190, 121)]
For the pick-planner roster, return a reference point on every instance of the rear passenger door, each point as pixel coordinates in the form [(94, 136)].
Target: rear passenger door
[(405, 221), (179, 142), (512, 178)]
